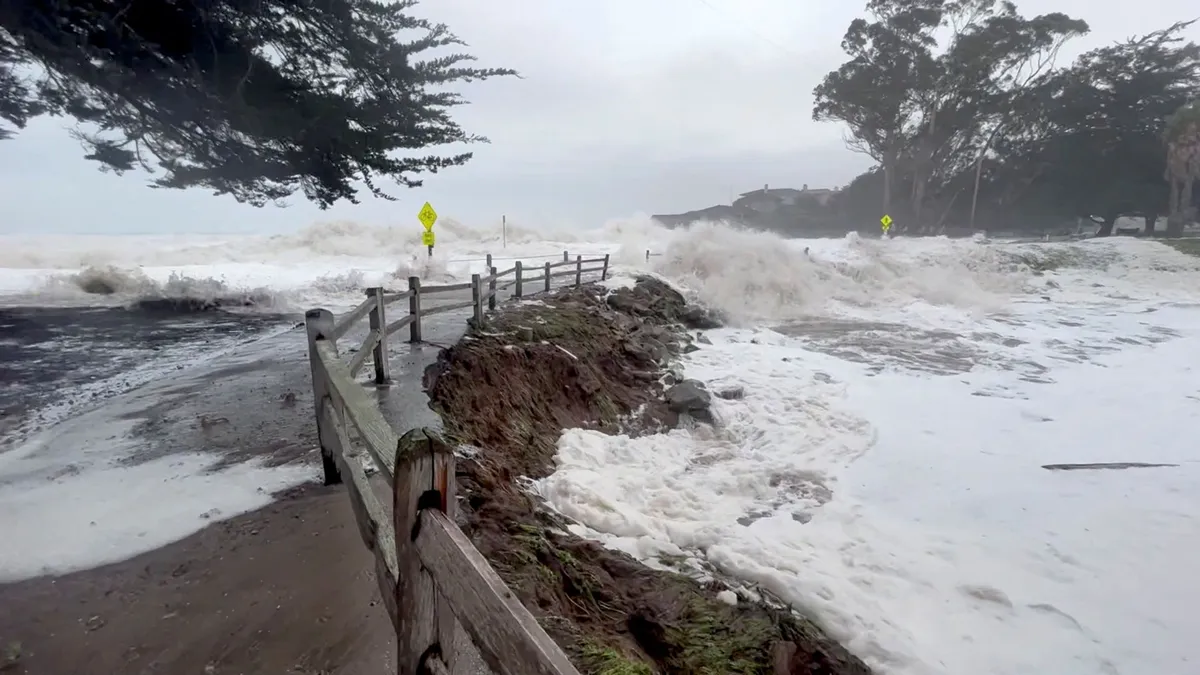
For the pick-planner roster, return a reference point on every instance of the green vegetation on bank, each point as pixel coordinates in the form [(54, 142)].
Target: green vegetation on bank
[(585, 358), (1188, 246)]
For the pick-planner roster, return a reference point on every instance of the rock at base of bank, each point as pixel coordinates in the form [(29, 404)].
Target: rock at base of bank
[(590, 358)]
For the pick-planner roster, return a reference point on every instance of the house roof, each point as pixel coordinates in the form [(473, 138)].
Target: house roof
[(774, 192), (785, 192)]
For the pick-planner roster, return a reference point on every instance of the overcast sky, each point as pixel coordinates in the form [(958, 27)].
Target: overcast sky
[(625, 106)]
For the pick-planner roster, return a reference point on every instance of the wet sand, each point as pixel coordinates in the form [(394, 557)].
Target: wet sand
[(287, 589), (55, 355)]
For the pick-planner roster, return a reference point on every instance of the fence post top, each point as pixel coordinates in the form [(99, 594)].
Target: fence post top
[(421, 439)]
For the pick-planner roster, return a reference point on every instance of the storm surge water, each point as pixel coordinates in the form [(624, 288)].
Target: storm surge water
[(882, 471), (886, 465), (85, 318)]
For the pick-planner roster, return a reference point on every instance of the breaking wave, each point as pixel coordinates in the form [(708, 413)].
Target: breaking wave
[(759, 276), (753, 276), (178, 293)]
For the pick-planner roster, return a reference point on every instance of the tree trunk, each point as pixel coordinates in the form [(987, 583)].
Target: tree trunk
[(1187, 204), (888, 170), (941, 223), (975, 192), (919, 200), (1106, 228), (1175, 225), (924, 170)]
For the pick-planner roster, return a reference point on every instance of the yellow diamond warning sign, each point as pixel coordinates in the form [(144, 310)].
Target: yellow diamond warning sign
[(427, 216)]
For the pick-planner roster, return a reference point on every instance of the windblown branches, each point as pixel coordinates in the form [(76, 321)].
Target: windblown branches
[(254, 98)]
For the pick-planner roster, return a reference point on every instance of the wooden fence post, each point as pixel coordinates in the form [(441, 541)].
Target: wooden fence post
[(517, 291), (578, 271), (492, 289), (604, 270), (566, 256), (547, 277), (319, 324), (477, 299), (414, 309), (378, 320), (489, 261), (424, 480)]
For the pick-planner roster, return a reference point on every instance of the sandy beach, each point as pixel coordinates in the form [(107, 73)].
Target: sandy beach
[(285, 589)]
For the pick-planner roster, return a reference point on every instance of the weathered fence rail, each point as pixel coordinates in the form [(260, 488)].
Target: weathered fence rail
[(433, 581)]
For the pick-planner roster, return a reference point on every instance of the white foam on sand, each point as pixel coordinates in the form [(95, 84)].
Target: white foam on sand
[(874, 481), (82, 501)]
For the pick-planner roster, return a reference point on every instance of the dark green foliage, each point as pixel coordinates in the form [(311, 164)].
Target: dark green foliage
[(254, 98), (985, 129)]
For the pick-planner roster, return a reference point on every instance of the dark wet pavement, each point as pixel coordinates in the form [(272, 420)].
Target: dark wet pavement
[(53, 360), (252, 400), (258, 402)]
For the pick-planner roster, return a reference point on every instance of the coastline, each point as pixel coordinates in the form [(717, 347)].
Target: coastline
[(276, 581), (600, 357), (288, 588)]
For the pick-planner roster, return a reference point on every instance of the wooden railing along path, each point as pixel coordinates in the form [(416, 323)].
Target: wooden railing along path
[(433, 581)]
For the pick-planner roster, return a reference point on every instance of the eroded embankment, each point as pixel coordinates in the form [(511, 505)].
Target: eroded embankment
[(594, 359)]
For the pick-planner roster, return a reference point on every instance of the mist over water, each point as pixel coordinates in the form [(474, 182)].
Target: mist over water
[(753, 276)]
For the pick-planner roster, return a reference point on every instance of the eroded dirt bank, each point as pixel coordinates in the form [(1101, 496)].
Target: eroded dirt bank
[(596, 359)]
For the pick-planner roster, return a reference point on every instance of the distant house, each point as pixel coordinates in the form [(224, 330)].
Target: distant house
[(768, 200), (723, 212)]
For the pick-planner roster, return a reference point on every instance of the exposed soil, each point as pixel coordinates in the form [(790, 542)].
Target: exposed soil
[(587, 358), (285, 590)]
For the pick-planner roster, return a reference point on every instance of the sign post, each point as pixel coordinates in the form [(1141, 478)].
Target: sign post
[(886, 221), (428, 217)]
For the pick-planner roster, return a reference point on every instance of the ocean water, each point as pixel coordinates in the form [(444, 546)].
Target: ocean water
[(883, 472)]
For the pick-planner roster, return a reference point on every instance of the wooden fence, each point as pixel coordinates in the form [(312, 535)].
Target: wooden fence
[(433, 581)]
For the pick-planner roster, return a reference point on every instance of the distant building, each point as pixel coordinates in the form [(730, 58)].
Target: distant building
[(768, 200)]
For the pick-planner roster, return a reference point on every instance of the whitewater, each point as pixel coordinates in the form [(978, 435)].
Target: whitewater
[(883, 471)]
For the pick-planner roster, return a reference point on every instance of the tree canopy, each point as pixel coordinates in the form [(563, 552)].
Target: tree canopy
[(255, 99), (970, 118)]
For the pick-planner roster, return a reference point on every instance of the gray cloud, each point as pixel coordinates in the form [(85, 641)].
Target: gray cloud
[(624, 107)]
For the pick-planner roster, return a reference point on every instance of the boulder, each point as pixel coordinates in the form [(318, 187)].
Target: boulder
[(701, 318), (734, 393), (673, 376), (691, 398)]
